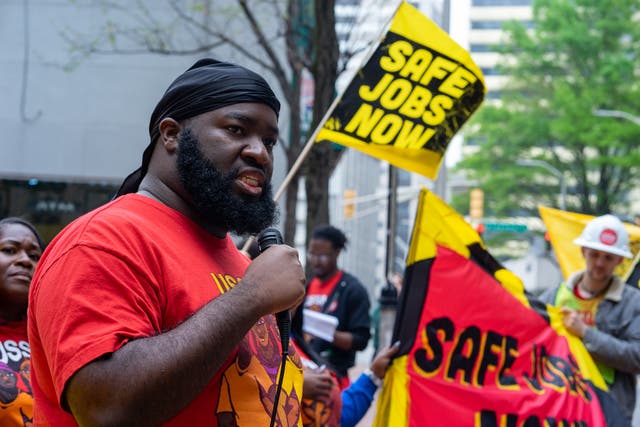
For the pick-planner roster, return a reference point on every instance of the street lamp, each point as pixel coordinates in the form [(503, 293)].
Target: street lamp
[(617, 113), (555, 172)]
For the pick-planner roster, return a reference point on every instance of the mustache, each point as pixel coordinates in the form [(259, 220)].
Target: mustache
[(253, 163)]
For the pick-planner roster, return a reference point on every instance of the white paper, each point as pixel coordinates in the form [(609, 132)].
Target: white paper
[(319, 325)]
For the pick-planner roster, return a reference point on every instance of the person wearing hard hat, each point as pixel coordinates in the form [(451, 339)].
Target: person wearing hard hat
[(601, 310)]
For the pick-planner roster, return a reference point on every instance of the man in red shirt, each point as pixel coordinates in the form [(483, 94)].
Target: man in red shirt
[(337, 293), (144, 313)]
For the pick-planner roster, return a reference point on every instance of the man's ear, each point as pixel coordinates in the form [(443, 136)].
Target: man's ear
[(169, 133)]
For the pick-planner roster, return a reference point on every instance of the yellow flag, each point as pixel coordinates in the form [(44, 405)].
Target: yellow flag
[(475, 349), (563, 227), (409, 99)]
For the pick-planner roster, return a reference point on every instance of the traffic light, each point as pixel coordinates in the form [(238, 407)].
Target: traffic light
[(476, 204), (349, 203)]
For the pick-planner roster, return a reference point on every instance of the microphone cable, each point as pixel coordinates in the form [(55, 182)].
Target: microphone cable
[(267, 238)]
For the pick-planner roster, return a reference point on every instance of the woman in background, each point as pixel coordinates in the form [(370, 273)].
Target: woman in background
[(20, 250)]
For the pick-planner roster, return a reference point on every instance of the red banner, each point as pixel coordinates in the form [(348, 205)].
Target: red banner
[(475, 349)]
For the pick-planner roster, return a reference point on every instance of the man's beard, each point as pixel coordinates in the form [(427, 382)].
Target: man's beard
[(8, 394), (213, 196)]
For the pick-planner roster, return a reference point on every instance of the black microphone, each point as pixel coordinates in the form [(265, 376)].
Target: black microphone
[(267, 238)]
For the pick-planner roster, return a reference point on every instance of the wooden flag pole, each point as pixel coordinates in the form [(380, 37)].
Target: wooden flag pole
[(309, 144)]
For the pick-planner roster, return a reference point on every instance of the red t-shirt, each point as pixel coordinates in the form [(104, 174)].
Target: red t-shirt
[(135, 268), (16, 398), (318, 292)]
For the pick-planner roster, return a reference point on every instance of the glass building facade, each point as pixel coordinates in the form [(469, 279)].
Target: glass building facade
[(51, 205)]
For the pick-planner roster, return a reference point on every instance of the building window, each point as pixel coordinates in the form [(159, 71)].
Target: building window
[(51, 205), (404, 177), (487, 25), (490, 71), (481, 48)]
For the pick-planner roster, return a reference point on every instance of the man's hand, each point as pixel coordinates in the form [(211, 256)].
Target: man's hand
[(573, 322), (317, 385), (380, 363), (276, 279)]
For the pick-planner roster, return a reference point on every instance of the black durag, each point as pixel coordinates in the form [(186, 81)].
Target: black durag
[(208, 85)]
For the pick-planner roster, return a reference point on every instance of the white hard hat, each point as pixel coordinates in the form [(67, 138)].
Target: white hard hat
[(607, 234)]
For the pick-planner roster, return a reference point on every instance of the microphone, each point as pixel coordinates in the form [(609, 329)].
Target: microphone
[(267, 238)]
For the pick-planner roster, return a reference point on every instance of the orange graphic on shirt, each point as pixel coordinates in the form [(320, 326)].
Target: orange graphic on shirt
[(249, 384), (317, 413), (16, 406)]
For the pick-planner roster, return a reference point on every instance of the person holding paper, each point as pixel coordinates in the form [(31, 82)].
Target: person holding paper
[(332, 291)]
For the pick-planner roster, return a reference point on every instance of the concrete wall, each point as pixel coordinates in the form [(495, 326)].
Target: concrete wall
[(87, 123)]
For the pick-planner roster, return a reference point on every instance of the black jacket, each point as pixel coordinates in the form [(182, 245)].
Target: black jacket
[(352, 310)]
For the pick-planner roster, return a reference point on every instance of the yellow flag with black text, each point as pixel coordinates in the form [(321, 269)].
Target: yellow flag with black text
[(476, 350), (563, 227), (409, 99)]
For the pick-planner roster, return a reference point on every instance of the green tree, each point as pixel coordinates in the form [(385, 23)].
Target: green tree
[(281, 37), (581, 55)]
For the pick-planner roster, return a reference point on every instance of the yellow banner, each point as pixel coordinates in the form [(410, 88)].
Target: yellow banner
[(413, 94), (475, 349), (563, 227)]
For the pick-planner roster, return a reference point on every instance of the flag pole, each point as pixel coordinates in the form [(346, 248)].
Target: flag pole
[(305, 151), (309, 144), (296, 165)]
